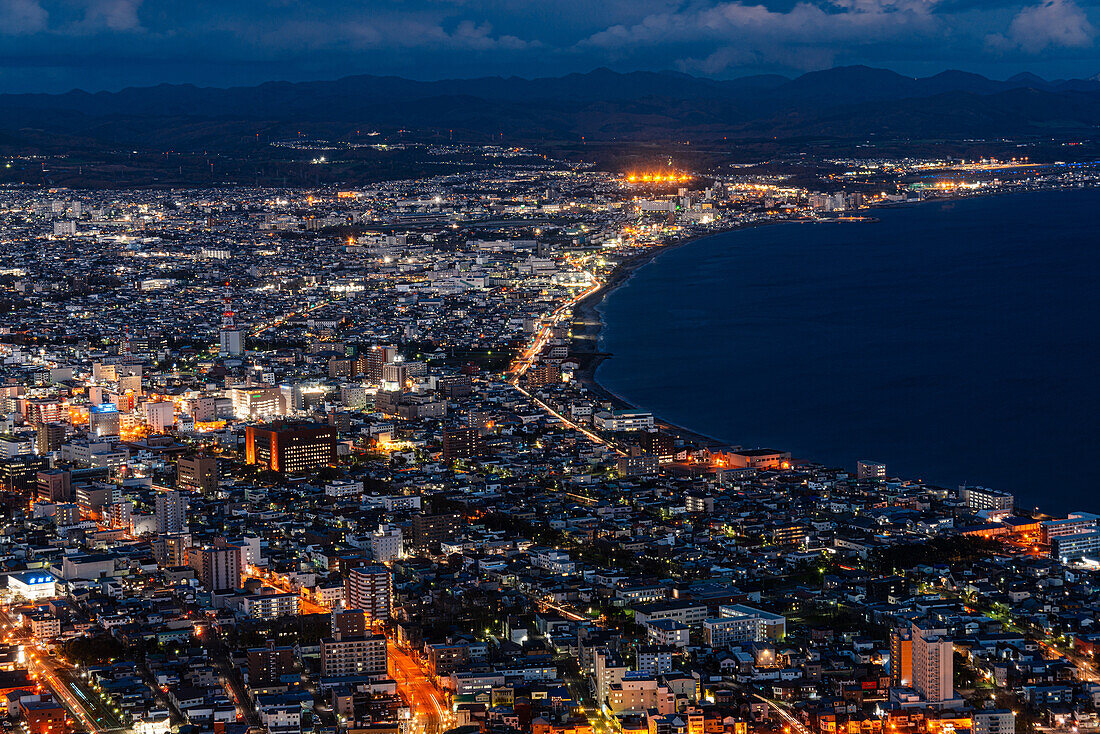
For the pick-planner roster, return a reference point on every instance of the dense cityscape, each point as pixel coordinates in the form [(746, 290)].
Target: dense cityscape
[(334, 460)]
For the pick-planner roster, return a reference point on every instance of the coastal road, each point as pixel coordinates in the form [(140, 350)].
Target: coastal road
[(531, 353), (594, 437)]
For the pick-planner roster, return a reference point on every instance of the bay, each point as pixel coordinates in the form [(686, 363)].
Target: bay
[(954, 341)]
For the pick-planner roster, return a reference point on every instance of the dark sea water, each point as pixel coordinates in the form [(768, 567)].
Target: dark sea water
[(956, 342)]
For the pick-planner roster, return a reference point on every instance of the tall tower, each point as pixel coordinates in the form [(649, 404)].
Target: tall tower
[(171, 512), (933, 664), (231, 339)]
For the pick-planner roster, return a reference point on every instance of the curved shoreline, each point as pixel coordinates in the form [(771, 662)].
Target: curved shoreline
[(587, 321), (587, 324)]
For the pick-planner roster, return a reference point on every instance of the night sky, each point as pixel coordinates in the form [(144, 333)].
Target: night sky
[(57, 45)]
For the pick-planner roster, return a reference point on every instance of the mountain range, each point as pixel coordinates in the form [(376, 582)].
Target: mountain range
[(840, 103)]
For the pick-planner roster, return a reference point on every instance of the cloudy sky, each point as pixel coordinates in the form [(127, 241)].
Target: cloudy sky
[(56, 45)]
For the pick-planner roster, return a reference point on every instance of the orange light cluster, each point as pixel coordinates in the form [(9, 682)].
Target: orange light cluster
[(207, 426), (133, 434), (658, 177)]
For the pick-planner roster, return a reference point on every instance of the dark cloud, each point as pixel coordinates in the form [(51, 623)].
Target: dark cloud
[(53, 45)]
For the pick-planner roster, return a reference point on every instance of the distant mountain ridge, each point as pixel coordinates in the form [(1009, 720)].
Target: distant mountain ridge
[(847, 101)]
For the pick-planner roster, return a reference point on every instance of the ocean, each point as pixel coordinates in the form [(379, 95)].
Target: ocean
[(956, 342)]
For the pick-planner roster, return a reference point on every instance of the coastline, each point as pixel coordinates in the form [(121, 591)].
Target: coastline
[(587, 321), (587, 324)]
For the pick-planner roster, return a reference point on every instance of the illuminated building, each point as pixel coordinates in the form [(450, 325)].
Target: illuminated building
[(12, 445), (933, 665), (291, 448), (623, 420), (218, 568), (256, 403), (19, 474), (371, 362), (197, 473), (656, 443), (54, 485), (353, 656), (428, 531), (171, 512), (754, 459), (901, 658), (49, 437), (870, 470), (543, 373), (461, 443), (267, 665), (160, 416), (32, 585), (1076, 546), (103, 420), (43, 717), (369, 588), (982, 498), (270, 606), (387, 544)]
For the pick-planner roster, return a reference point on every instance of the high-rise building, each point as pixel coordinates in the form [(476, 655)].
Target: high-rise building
[(230, 342), (428, 531), (543, 373), (933, 664), (170, 551), (103, 420), (19, 474), (54, 485), (268, 664), (171, 512), (354, 656), (461, 443), (369, 588), (197, 473), (394, 376), (901, 657), (371, 362), (160, 416), (218, 568), (348, 623), (386, 544), (49, 437), (291, 448), (659, 444)]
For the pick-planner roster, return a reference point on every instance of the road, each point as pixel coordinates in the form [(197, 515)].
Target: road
[(429, 706), (791, 724), (229, 676), (261, 328), (430, 711), (41, 666), (530, 354)]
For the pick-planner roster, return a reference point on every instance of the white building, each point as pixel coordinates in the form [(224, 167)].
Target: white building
[(32, 585), (160, 416), (386, 544), (270, 606), (623, 420)]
